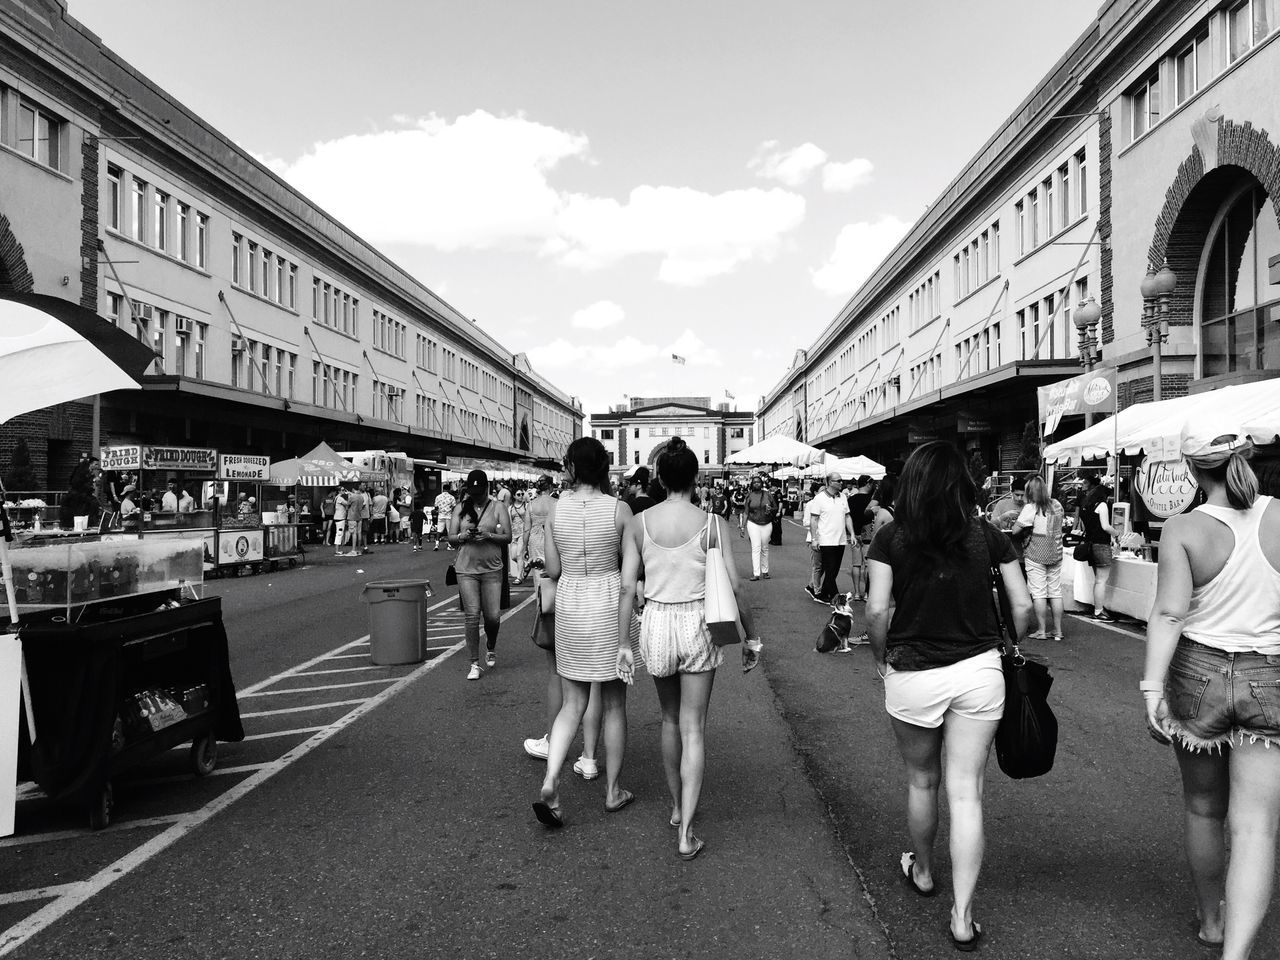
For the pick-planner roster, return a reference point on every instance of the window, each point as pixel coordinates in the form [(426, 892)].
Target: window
[(736, 433), (1064, 193), (197, 350), (202, 241), (1247, 24), (113, 197), (39, 135), (237, 245), (995, 248), (182, 332), (184, 240), (606, 434), (139, 210), (1020, 213), (160, 223), (159, 321), (281, 286), (1033, 215), (1145, 103), (292, 299), (965, 285), (1050, 205), (252, 267), (266, 272), (1191, 68), (1082, 182)]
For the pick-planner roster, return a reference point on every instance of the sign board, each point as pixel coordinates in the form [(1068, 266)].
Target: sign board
[(127, 457), (968, 424), (1093, 392), (920, 436), (198, 459), (234, 546), (1166, 486), (234, 466)]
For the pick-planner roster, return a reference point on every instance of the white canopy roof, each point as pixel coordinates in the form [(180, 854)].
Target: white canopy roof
[(776, 449), (1163, 430), (849, 468)]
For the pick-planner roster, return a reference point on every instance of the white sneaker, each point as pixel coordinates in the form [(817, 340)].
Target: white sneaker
[(538, 749), (490, 660), (586, 769), (475, 673)]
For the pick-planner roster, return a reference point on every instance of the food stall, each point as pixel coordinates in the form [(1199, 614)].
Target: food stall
[(154, 467), (321, 467), (1145, 441)]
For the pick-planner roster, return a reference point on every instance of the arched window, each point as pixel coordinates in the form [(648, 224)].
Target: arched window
[(1240, 290)]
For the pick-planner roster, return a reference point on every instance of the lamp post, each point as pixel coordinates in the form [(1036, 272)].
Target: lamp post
[(1085, 316), (1157, 290)]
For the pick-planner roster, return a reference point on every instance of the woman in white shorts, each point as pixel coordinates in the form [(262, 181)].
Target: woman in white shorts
[(935, 637), (1042, 515)]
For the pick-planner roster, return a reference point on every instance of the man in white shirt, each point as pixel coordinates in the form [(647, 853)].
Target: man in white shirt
[(830, 528), (169, 502)]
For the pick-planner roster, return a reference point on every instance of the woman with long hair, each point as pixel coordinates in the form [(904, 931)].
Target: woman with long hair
[(1042, 517), (480, 527), (583, 544), (935, 636), (519, 528), (1212, 686), (669, 541)]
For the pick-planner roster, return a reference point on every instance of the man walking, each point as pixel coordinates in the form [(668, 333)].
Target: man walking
[(831, 528), (444, 505), (341, 525)]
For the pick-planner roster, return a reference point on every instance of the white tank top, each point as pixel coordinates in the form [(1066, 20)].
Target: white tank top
[(1238, 611)]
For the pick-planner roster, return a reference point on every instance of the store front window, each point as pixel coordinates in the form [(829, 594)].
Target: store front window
[(1239, 305)]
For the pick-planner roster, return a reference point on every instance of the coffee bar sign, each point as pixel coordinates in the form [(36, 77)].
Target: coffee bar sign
[(1166, 486)]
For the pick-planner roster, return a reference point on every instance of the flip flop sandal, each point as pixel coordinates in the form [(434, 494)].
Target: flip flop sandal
[(698, 844), (908, 864), (627, 798), (1206, 942), (548, 815), (970, 945)]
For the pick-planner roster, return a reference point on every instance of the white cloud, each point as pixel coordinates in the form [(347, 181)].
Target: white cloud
[(482, 182), (628, 352), (698, 235), (859, 249), (843, 177), (598, 316), (791, 167)]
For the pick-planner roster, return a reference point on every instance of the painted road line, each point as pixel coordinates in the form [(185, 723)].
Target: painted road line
[(327, 686), (347, 656), (116, 827), (322, 673), (433, 649), (75, 895), (1113, 627), (254, 688), (41, 893), (296, 731), (311, 706), (188, 778)]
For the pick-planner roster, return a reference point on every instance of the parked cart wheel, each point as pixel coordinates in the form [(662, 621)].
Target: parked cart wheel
[(204, 755), (293, 562), (101, 807)]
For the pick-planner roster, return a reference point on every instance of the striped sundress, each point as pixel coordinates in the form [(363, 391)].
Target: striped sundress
[(587, 539)]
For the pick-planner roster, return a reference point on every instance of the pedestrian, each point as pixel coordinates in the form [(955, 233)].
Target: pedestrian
[(480, 527), (344, 527), (169, 501), (738, 500), (831, 529), (186, 503), (326, 514), (939, 658), (882, 507), (1095, 516), (583, 543), (815, 572), (417, 520), (1212, 685), (669, 543), (444, 505), (1008, 517), (378, 503), (637, 497), (1042, 555), (859, 503), (761, 507), (540, 509), (519, 511)]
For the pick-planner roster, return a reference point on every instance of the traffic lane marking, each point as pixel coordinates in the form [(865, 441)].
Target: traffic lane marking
[(310, 706), (40, 893), (322, 673), (119, 826), (186, 777), (328, 686), (1113, 627), (74, 895)]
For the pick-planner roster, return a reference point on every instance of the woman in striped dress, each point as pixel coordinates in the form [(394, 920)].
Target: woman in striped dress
[(584, 540)]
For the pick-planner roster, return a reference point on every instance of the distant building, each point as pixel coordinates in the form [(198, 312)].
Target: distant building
[(634, 435)]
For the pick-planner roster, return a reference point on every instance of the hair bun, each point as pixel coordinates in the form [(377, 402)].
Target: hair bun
[(675, 445)]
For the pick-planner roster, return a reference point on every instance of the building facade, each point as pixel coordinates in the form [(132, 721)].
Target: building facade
[(1145, 143), (634, 435), (274, 325)]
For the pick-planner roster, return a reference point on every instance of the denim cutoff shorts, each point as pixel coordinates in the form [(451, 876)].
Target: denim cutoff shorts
[(1221, 699)]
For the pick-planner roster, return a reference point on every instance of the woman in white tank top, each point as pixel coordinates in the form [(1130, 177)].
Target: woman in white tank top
[(1212, 686), (669, 542)]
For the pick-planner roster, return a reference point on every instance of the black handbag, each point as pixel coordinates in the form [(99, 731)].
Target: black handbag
[(1027, 737), (544, 628), (451, 577), (1081, 552)]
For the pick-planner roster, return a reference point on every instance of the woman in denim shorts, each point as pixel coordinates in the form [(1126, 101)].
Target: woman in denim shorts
[(1212, 686)]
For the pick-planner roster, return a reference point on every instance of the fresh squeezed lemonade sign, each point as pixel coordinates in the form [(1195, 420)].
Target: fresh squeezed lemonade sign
[(1166, 486)]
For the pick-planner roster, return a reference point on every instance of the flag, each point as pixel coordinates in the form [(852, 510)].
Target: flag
[(676, 358), (729, 396)]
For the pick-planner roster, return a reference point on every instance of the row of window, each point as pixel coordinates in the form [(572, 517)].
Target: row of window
[(979, 353), (333, 387), (735, 433), (470, 376), (924, 304), (706, 457), (156, 218), (258, 270), (261, 367), (1054, 204), (926, 376), (335, 307), (389, 334), (31, 129), (977, 262), (388, 401)]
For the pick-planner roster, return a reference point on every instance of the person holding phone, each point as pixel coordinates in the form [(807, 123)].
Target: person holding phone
[(480, 527)]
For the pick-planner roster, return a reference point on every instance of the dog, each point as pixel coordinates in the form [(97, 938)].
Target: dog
[(836, 635)]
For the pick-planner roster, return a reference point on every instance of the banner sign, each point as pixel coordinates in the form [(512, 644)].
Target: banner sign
[(1166, 486), (968, 424), (127, 457), (179, 458), (1092, 392), (232, 466)]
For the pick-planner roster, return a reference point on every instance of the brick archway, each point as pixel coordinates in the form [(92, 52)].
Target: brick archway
[(652, 459), (15, 275)]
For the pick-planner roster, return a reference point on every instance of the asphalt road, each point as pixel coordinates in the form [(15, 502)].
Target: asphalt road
[(408, 832)]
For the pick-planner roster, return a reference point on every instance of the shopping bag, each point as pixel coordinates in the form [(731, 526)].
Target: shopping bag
[(544, 616), (1027, 737), (721, 605)]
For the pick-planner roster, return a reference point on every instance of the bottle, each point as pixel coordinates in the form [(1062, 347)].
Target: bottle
[(37, 525)]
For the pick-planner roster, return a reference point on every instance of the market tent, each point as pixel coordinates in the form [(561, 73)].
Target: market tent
[(1161, 428), (849, 468), (776, 449), (322, 467), (786, 473)]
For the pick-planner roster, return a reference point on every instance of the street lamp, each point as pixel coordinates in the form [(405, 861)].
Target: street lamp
[(1157, 290), (1085, 316)]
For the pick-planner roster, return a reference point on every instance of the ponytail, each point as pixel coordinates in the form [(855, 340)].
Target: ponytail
[(1232, 470)]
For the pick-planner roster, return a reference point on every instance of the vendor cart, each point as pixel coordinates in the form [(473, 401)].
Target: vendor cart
[(122, 663)]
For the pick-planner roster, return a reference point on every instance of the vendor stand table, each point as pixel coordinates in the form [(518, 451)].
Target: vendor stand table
[(1130, 590)]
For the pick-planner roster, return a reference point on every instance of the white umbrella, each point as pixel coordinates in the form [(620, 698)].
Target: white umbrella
[(776, 449)]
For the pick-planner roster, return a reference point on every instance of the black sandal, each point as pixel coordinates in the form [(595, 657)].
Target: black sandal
[(970, 945), (909, 875)]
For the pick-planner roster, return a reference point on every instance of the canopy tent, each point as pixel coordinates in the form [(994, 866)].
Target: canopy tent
[(322, 467), (1162, 429), (777, 449), (849, 468), (786, 473)]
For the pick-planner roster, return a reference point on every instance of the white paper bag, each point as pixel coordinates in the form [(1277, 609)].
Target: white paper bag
[(721, 604)]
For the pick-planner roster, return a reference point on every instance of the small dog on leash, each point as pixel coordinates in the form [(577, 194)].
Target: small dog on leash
[(836, 636)]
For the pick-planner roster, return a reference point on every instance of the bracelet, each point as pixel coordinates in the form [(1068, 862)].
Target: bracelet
[(1151, 686)]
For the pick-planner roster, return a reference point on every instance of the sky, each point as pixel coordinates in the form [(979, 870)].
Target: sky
[(603, 184)]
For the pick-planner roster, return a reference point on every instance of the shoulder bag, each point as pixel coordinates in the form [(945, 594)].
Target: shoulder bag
[(544, 616), (720, 602), (1027, 737)]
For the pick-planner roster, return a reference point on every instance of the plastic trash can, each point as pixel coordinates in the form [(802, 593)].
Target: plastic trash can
[(397, 620)]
